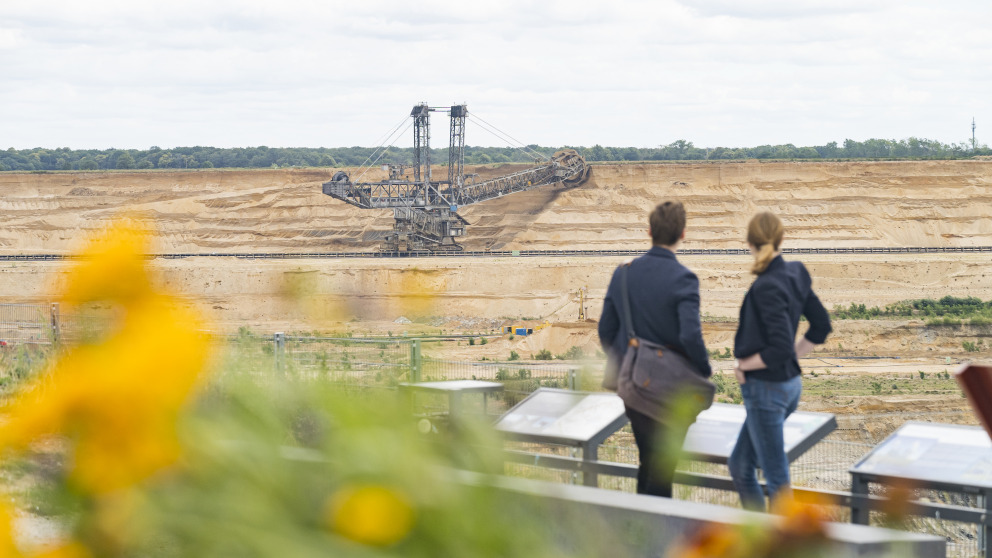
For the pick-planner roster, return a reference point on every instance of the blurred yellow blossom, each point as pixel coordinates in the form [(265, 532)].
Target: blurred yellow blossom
[(799, 530), (802, 521), (7, 546), (713, 540), (118, 400), (370, 514), (416, 290), (71, 550), (112, 267)]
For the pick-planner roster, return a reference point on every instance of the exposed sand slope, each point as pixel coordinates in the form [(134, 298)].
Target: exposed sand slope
[(254, 292), (932, 203)]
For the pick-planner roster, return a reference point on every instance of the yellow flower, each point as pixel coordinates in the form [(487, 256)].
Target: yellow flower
[(7, 546), (370, 514), (112, 267), (118, 400), (712, 540), (416, 290), (71, 550), (802, 520), (9, 550)]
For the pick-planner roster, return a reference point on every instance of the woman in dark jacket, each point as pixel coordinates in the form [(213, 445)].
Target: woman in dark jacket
[(768, 360)]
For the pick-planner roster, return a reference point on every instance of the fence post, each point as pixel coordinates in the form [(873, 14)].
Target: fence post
[(985, 531), (573, 383), (56, 333), (280, 350), (860, 512), (415, 361)]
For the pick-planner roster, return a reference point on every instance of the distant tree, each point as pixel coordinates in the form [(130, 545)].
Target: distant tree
[(599, 153), (680, 148), (829, 150), (86, 163), (125, 161), (630, 154)]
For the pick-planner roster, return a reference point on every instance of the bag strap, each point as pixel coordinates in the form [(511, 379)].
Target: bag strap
[(628, 319)]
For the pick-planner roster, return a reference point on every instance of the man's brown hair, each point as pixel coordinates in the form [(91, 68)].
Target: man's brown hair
[(667, 223)]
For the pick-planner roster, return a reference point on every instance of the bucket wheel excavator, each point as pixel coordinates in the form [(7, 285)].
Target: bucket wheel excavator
[(426, 210)]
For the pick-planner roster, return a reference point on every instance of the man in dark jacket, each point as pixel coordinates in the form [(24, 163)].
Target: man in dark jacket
[(664, 302)]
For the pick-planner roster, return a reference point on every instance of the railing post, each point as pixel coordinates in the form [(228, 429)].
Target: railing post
[(55, 326), (590, 454), (573, 383), (415, 361), (859, 511), (280, 351), (985, 531)]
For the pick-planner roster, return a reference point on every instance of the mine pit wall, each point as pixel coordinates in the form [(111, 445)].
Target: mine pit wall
[(314, 294), (823, 204)]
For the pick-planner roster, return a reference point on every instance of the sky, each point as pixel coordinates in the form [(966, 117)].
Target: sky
[(328, 73)]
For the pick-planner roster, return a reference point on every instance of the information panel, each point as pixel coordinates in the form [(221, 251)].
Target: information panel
[(564, 417), (577, 418), (463, 386), (948, 455), (713, 436)]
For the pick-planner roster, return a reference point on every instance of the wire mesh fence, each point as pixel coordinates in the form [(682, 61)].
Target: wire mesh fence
[(27, 323), (30, 335), (385, 363)]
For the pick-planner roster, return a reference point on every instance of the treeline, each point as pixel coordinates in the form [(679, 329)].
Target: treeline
[(63, 158), (948, 307)]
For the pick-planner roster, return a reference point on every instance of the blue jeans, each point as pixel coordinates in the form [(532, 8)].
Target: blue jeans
[(761, 442)]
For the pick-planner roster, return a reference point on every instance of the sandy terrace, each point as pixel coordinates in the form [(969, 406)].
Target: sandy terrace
[(924, 203)]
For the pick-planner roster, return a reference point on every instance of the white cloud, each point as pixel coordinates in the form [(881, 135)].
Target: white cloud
[(307, 72)]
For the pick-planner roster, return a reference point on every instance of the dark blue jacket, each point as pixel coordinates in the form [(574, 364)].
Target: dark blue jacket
[(770, 318), (664, 301)]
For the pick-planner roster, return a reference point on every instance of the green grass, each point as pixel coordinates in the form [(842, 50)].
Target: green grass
[(855, 385)]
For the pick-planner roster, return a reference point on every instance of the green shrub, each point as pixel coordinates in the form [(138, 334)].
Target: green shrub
[(514, 355), (972, 347), (574, 353), (543, 354), (946, 321)]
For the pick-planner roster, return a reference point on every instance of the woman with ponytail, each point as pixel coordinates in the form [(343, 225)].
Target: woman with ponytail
[(767, 365)]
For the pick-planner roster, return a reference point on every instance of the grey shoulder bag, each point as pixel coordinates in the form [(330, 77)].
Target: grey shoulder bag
[(656, 380)]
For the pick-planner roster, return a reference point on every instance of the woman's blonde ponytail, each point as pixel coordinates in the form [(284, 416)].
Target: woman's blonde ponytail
[(764, 257), (765, 233)]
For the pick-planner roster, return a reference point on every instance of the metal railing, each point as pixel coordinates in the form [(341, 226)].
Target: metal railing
[(818, 475)]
